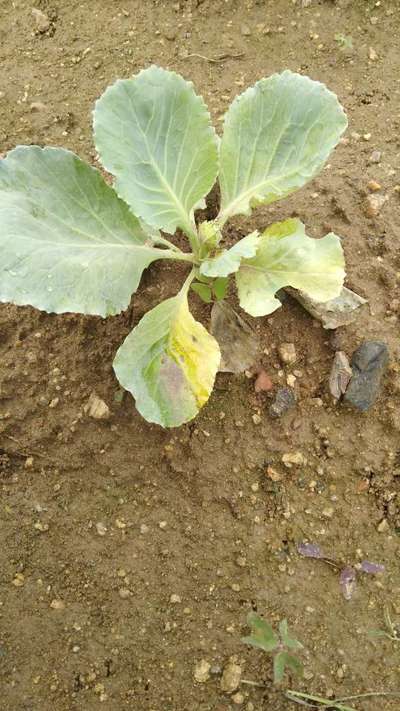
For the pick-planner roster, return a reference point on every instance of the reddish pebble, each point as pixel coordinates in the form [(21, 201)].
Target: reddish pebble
[(263, 382)]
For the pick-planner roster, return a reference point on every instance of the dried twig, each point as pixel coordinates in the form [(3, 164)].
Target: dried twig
[(216, 60)]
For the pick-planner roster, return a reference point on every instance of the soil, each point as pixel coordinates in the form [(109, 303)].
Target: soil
[(129, 553)]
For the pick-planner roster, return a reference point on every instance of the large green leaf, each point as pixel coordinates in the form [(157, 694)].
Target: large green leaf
[(154, 134), (67, 242), (168, 363), (287, 257), (277, 136), (228, 261)]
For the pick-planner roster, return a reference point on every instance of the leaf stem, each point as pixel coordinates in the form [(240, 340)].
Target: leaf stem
[(186, 284)]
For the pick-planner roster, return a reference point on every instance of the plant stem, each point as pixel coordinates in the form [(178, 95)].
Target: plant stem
[(181, 256), (186, 284), (332, 703)]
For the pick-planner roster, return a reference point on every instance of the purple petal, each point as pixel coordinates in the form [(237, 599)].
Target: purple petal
[(348, 581), (372, 568), (310, 550)]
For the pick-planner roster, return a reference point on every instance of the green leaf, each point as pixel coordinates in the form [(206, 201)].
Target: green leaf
[(277, 136), (68, 243), (153, 133), (203, 291), (287, 640), (287, 257), (220, 287), (284, 660), (228, 261), (262, 635), (168, 363)]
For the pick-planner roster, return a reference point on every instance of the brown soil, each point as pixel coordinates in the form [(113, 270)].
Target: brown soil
[(228, 542)]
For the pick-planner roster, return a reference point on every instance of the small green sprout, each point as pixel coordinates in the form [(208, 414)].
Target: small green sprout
[(392, 630), (345, 42), (281, 646)]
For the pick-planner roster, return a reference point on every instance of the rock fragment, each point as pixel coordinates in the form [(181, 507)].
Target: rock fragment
[(369, 363), (231, 676), (284, 400), (97, 408), (340, 375), (201, 671)]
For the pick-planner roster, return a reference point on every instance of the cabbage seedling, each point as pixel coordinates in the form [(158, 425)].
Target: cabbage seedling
[(71, 243)]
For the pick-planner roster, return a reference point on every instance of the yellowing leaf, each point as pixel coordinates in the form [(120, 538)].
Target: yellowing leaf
[(168, 363), (287, 257)]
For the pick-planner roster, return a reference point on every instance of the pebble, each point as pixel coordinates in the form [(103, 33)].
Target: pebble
[(287, 353), (383, 526), (284, 400), (369, 363), (57, 604), (28, 463), (124, 593), (375, 157), (238, 698), (175, 599), (328, 512), (273, 474), (374, 204), (54, 403), (19, 580), (231, 676), (241, 561), (42, 21), (37, 106), (372, 54), (374, 186), (101, 528), (245, 30), (256, 419), (291, 459), (97, 408), (202, 671), (263, 382)]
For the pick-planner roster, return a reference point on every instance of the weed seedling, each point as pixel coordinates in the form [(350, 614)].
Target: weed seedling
[(70, 242), (280, 645)]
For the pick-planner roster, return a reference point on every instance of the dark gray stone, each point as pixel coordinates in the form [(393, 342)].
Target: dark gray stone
[(284, 400), (369, 363)]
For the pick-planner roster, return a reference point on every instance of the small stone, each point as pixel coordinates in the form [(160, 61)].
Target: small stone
[(263, 382), (287, 353), (101, 528), (291, 380), (120, 523), (375, 157), (256, 419), (284, 400), (238, 698), (367, 136), (273, 474), (255, 487), (374, 186), (372, 54), (124, 593), (235, 587), (41, 526), (97, 408), (383, 526), (328, 512), (19, 580), (369, 363), (231, 676), (291, 459), (241, 561), (175, 599), (57, 604), (54, 402), (170, 34), (245, 30), (163, 525), (340, 375), (202, 671), (42, 21), (374, 204), (28, 463), (37, 106), (144, 529)]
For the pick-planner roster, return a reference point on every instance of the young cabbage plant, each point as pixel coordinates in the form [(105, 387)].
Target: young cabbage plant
[(71, 243)]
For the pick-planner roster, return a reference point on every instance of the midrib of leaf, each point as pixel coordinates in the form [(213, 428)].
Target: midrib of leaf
[(164, 182)]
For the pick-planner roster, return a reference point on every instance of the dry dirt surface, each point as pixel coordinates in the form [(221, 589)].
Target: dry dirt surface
[(129, 553)]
